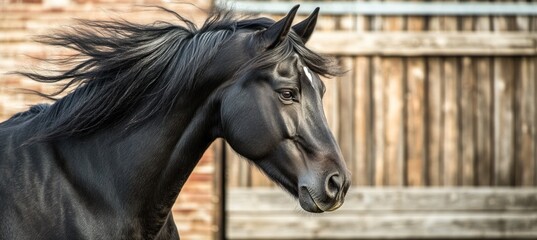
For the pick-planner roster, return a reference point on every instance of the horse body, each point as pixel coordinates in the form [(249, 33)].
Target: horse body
[(84, 189), (109, 160)]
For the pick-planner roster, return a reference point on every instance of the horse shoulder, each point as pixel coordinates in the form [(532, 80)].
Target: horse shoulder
[(28, 180)]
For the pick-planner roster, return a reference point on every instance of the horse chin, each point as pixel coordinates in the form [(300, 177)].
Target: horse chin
[(307, 202)]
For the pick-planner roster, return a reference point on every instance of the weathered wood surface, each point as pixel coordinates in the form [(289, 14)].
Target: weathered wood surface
[(395, 199), (400, 226), (425, 43), (396, 213), (393, 74)]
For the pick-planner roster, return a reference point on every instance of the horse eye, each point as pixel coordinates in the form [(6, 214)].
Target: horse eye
[(287, 95)]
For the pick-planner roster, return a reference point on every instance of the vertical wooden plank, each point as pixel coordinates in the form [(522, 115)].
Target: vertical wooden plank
[(525, 115), (362, 174), (231, 168), (346, 115), (245, 172), (238, 169), (361, 23), (324, 22), (483, 121), (258, 178), (363, 162), (533, 65), (393, 125), (434, 113), (415, 113), (415, 122), (467, 103), (504, 81), (467, 110), (450, 153), (220, 185), (362, 112), (503, 120), (394, 73), (378, 113), (347, 22), (377, 105), (525, 125), (330, 105), (434, 120)]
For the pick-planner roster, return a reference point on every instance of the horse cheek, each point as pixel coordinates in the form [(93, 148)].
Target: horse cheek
[(247, 128)]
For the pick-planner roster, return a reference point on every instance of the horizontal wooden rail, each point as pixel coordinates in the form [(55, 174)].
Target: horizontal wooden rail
[(388, 213), (396, 199), (386, 8), (425, 44)]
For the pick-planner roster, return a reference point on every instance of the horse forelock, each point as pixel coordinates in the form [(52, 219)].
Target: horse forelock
[(292, 45)]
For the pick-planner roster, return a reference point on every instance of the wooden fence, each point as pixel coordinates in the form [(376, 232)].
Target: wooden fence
[(429, 100), (438, 108)]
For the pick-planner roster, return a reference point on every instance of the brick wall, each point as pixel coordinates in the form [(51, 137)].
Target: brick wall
[(22, 19)]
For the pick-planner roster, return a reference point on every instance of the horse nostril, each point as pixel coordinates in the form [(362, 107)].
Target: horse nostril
[(333, 184)]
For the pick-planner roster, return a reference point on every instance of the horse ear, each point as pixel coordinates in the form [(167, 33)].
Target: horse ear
[(276, 33), (305, 28)]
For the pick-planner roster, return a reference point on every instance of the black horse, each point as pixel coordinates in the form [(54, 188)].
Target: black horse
[(108, 160)]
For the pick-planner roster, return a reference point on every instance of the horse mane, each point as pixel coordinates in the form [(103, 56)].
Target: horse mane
[(32, 112), (122, 68)]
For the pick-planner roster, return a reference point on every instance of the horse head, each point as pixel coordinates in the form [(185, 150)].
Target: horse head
[(272, 114)]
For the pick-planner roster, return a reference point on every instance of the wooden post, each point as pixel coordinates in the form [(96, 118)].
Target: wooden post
[(220, 189), (414, 101), (362, 125), (434, 121), (484, 107), (394, 69), (525, 112), (450, 129)]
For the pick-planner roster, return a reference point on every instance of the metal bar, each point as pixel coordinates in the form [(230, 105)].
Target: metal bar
[(386, 8)]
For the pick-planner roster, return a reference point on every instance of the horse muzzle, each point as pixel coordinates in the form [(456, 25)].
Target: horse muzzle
[(328, 197)]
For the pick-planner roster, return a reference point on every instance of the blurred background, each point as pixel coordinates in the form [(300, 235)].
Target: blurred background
[(436, 118)]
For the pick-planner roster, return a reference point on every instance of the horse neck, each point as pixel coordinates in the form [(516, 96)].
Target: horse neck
[(141, 173)]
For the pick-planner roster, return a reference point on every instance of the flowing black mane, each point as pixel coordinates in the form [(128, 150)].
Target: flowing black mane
[(123, 68)]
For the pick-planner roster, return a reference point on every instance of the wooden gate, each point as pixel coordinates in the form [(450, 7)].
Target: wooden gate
[(439, 99)]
